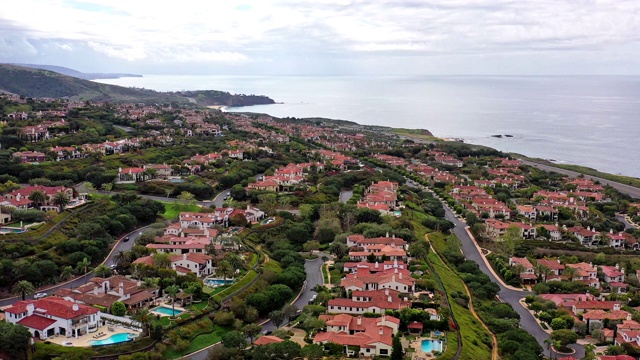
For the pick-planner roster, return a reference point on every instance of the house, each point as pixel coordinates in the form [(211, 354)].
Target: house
[(29, 156), (52, 315), (199, 264), (554, 232), (527, 211), (183, 245), (567, 300), (585, 236), (555, 267), (527, 272), (103, 292), (379, 252), (130, 175), (612, 273), (20, 197), (363, 279), (588, 305), (352, 267), (373, 301), (266, 340), (162, 171), (585, 273), (359, 336), (593, 317), (65, 152)]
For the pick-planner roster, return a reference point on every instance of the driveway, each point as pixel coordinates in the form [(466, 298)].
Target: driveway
[(512, 297)]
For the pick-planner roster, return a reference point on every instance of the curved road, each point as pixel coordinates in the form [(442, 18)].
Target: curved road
[(512, 297), (314, 277), (119, 245), (623, 188)]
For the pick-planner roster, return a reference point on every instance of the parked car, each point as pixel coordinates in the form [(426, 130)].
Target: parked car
[(40, 295), (266, 332), (125, 239), (295, 315)]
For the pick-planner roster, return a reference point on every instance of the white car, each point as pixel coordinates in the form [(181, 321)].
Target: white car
[(40, 295)]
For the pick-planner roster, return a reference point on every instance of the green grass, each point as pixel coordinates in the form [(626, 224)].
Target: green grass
[(172, 209), (417, 133), (474, 336), (452, 346), (199, 342), (325, 274), (47, 351), (235, 286)]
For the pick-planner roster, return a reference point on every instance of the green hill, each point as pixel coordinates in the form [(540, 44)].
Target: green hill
[(40, 83)]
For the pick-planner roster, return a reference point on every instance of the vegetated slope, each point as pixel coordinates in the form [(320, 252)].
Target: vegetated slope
[(43, 83), (214, 97), (71, 72), (48, 84)]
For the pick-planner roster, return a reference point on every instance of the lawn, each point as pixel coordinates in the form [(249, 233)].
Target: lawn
[(234, 287), (199, 342), (325, 274), (474, 336), (172, 209)]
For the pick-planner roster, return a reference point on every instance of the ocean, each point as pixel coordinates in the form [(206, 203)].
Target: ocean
[(583, 120)]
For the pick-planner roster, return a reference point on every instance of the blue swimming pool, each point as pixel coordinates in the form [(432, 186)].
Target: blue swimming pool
[(114, 339), (218, 282), (176, 180), (8, 230), (431, 345), (167, 311)]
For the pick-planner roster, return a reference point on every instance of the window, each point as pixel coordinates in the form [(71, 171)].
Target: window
[(384, 352)]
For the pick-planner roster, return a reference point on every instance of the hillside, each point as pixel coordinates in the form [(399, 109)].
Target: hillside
[(48, 84), (71, 72)]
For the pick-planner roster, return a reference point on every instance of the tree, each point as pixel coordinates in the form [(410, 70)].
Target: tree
[(60, 199), (564, 338), (419, 250), (102, 270), (23, 288), (38, 197), (143, 316), (172, 290), (14, 340), (118, 309), (289, 310), (268, 203), (67, 273), (338, 249), (186, 197), (397, 353), (234, 260), (84, 265), (569, 273), (509, 241), (225, 269), (234, 340), (313, 352), (277, 317), (122, 258), (543, 272), (310, 246), (251, 331), (162, 260)]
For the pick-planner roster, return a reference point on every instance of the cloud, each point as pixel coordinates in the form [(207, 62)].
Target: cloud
[(240, 33)]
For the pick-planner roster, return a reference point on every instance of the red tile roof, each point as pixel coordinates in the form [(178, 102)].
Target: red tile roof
[(36, 322)]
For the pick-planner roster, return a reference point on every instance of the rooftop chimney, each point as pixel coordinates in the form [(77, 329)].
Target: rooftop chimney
[(390, 298), (359, 320), (386, 291)]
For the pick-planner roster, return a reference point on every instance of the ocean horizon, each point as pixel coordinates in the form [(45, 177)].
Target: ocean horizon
[(582, 120)]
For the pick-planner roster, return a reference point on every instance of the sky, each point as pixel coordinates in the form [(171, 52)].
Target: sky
[(333, 37)]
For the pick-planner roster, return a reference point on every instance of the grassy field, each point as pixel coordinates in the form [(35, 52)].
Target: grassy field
[(172, 209), (474, 336), (201, 341), (416, 133)]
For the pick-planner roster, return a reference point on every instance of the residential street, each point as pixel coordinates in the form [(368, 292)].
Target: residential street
[(120, 245), (314, 277), (625, 189), (512, 297)]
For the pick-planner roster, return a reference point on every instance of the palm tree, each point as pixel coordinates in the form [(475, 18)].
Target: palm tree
[(569, 273), (234, 259), (172, 290), (121, 258), (543, 272), (102, 270), (38, 197), (67, 273), (23, 288), (84, 265), (143, 316), (225, 270), (61, 200)]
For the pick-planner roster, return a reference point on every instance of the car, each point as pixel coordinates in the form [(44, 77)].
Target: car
[(126, 238), (225, 198), (295, 315), (112, 266), (266, 332), (40, 295)]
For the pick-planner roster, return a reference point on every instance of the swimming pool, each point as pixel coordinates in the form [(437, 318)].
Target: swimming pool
[(167, 311), (176, 180), (218, 282), (114, 339), (8, 230), (431, 345)]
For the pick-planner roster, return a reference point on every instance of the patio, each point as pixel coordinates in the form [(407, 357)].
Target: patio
[(84, 340)]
